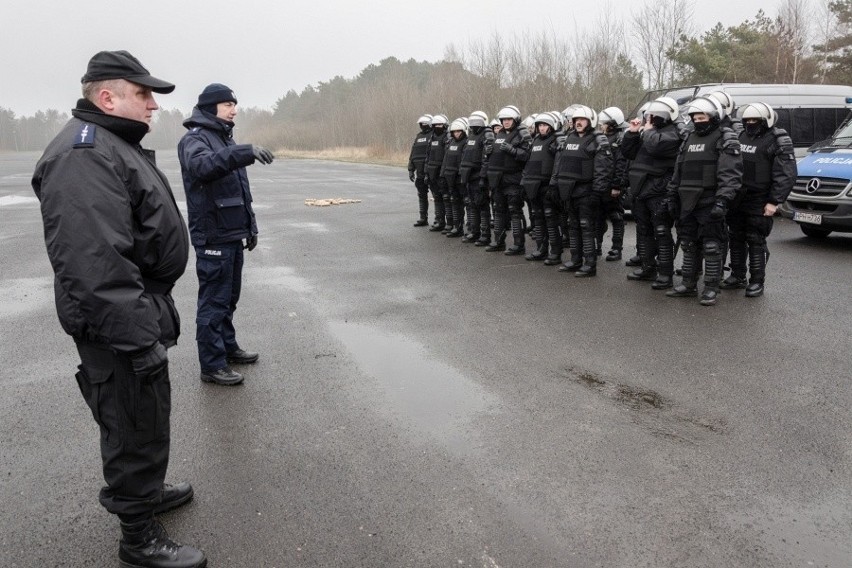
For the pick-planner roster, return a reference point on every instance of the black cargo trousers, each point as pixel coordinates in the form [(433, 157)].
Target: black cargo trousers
[(133, 415)]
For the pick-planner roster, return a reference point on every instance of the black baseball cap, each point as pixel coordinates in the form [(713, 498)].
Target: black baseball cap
[(106, 65)]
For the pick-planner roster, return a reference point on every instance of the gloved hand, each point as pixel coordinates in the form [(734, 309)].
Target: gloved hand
[(150, 361), (251, 242), (262, 155), (719, 210), (506, 147), (411, 175)]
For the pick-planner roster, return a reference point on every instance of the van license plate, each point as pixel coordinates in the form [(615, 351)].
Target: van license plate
[(813, 218)]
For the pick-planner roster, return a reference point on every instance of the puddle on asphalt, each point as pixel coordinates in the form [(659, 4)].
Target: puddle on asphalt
[(8, 200), (434, 398), (308, 226), (278, 276)]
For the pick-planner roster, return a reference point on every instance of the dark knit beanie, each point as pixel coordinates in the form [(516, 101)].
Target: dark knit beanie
[(214, 94)]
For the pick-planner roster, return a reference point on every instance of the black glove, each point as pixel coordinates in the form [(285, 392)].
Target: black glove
[(719, 210), (150, 361), (506, 147), (411, 175), (251, 242), (262, 155)]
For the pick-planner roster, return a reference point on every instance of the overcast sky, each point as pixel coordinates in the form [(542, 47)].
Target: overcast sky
[(261, 49)]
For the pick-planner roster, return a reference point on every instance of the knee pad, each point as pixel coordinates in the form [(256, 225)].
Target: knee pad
[(586, 224), (662, 231), (712, 248), (688, 246), (754, 238), (616, 216)]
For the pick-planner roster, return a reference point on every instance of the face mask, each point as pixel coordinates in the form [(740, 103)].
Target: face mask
[(753, 130), (702, 128), (439, 129), (425, 129), (658, 121)]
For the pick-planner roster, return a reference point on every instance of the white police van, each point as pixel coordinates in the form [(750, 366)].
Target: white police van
[(809, 113), (821, 201)]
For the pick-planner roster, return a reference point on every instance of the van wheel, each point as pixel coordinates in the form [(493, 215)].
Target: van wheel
[(815, 232)]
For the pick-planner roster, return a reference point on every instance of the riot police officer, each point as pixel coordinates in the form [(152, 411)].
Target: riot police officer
[(769, 173), (612, 125), (434, 161), (536, 178), (707, 178), (477, 150), (652, 149), (452, 180), (417, 164), (504, 167), (583, 173)]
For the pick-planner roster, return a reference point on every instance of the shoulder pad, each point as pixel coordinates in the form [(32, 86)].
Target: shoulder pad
[(783, 140), (525, 134), (730, 142), (489, 134), (85, 136), (603, 143)]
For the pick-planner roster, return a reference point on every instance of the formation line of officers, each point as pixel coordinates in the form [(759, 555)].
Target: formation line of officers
[(715, 178)]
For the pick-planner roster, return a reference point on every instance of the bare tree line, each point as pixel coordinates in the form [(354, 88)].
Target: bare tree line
[(610, 62)]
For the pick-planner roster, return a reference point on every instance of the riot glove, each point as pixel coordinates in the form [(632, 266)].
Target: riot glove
[(719, 210), (150, 361), (251, 242), (262, 155), (508, 148), (411, 175)]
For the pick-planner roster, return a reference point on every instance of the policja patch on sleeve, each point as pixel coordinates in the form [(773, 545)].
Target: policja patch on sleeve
[(85, 137)]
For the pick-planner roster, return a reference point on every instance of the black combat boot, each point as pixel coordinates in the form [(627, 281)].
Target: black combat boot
[(518, 237), (590, 253), (757, 254), (145, 544), (174, 496), (424, 212), (665, 258), (737, 279), (473, 220), (634, 261), (712, 273), (538, 235), (554, 238), (440, 215), (498, 241), (688, 286), (613, 254), (617, 239), (648, 270)]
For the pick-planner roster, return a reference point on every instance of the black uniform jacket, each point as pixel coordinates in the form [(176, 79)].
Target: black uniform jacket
[(114, 235)]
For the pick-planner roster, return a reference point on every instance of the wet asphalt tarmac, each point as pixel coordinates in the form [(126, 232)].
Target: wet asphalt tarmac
[(419, 402)]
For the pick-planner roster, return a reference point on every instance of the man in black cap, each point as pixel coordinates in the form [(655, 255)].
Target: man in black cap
[(218, 201), (117, 244)]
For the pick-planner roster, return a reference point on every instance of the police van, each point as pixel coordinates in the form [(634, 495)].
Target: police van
[(821, 200), (809, 113)]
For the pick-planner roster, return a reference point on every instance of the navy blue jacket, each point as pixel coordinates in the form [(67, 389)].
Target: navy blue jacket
[(218, 198)]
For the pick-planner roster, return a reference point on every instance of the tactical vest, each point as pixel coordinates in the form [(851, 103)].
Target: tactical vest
[(577, 160), (757, 161), (503, 161), (471, 160), (437, 148), (698, 169), (421, 146), (540, 165), (452, 157)]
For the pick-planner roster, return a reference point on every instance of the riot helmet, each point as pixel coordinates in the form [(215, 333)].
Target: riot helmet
[(588, 113)]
